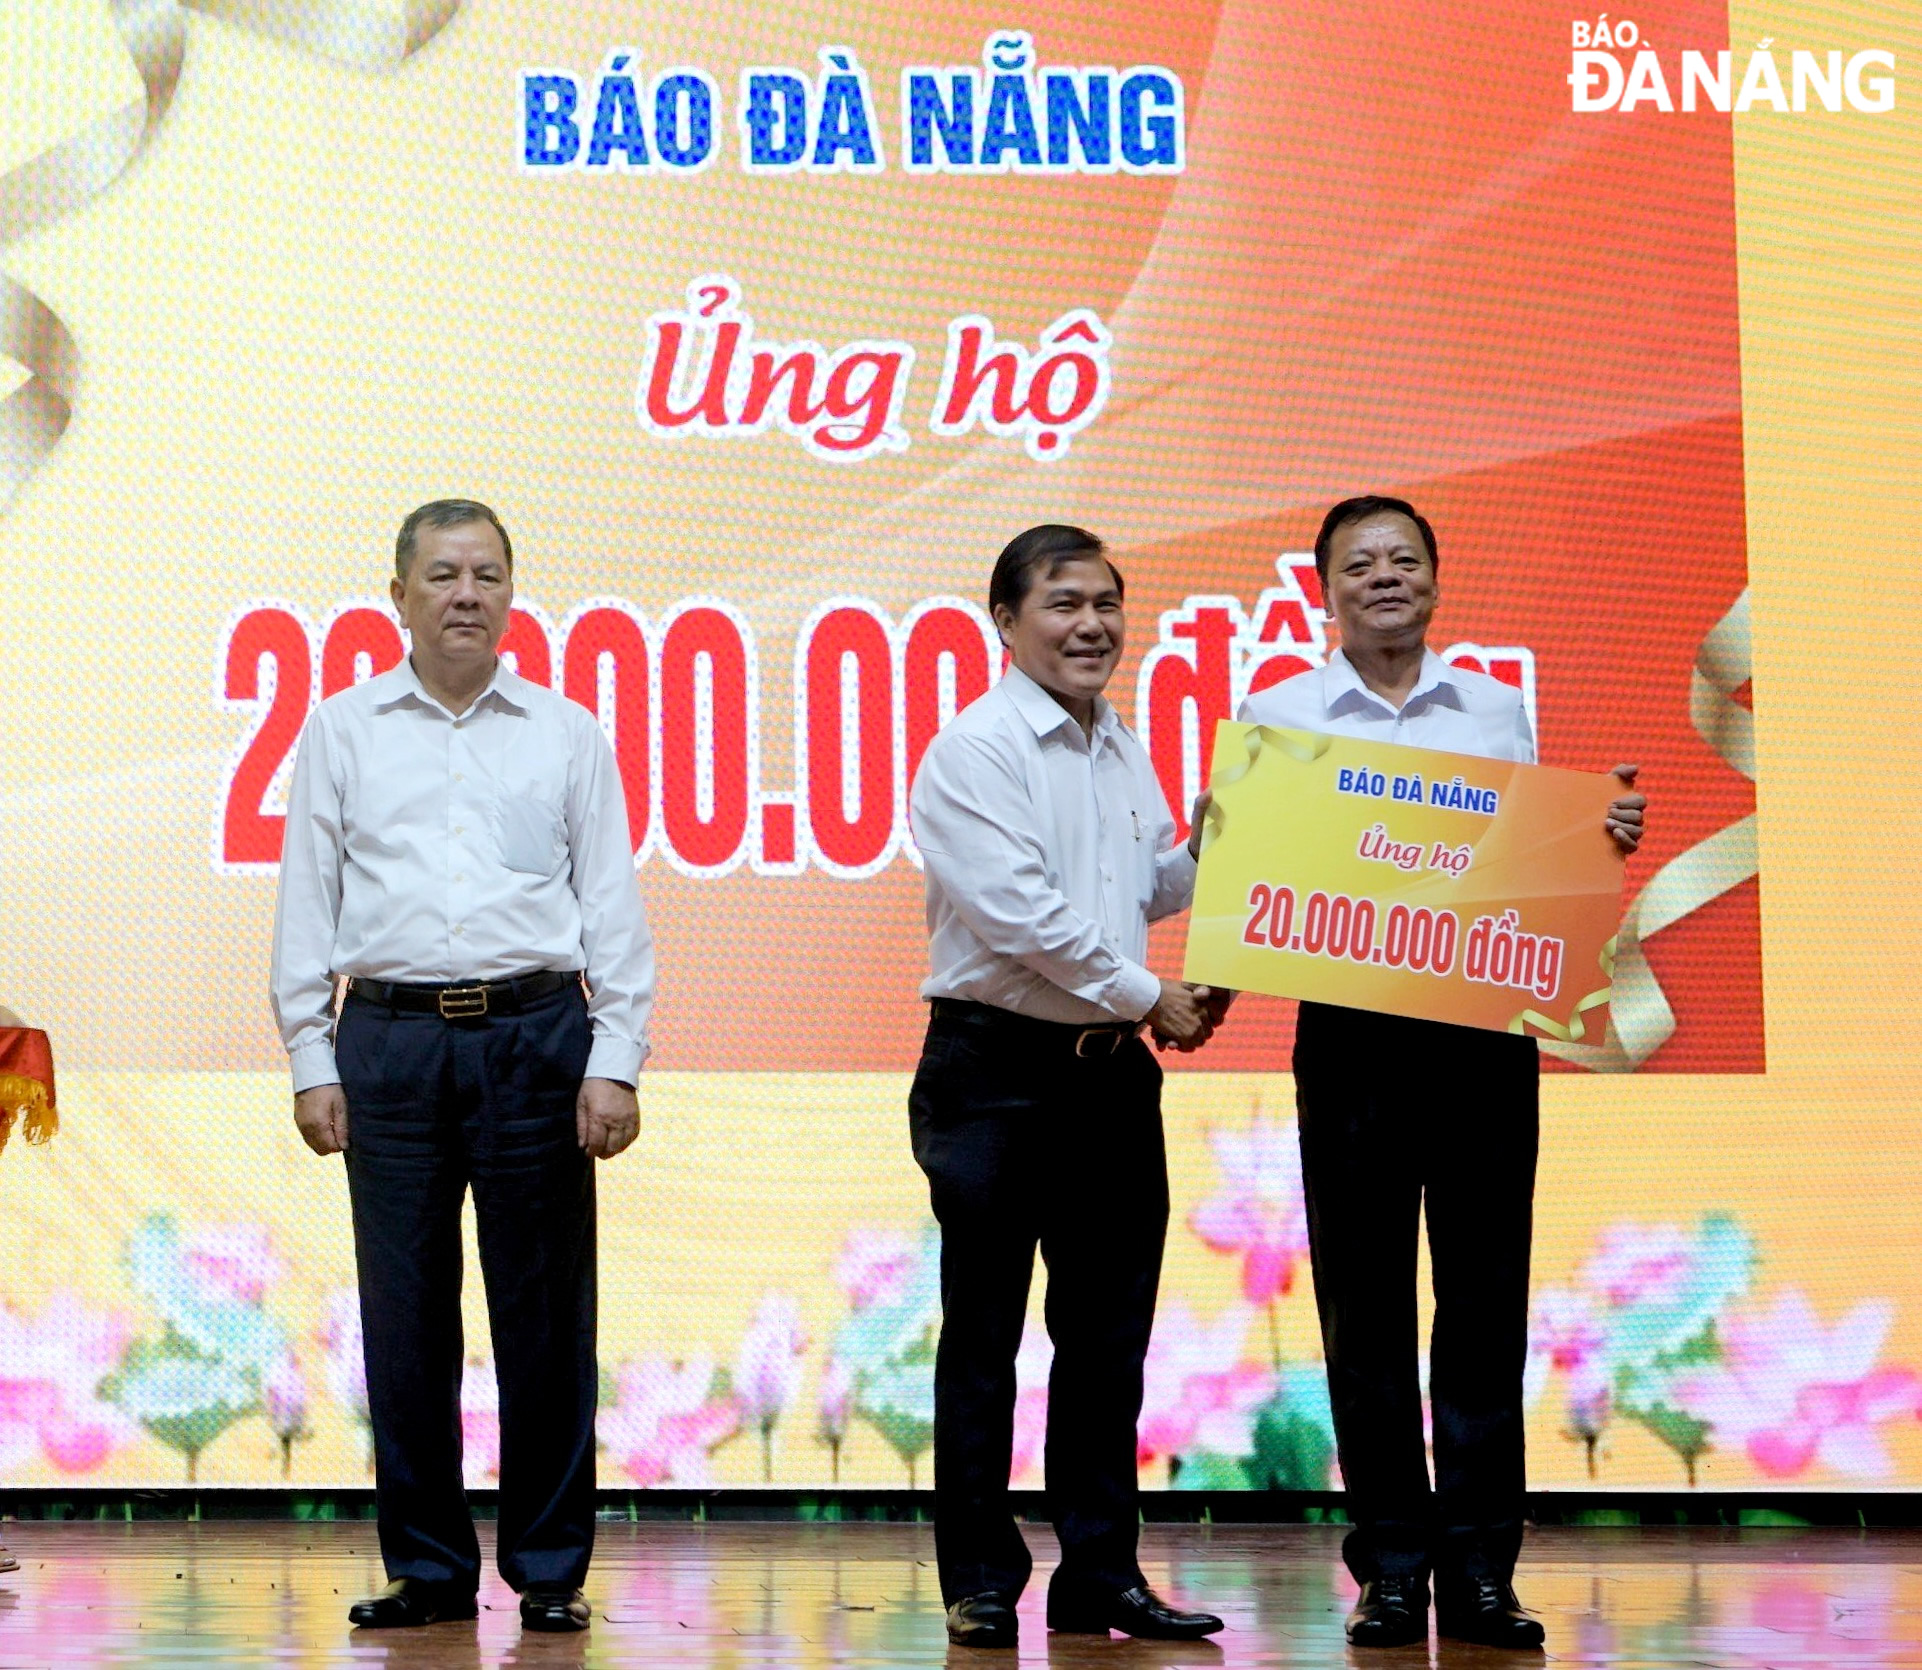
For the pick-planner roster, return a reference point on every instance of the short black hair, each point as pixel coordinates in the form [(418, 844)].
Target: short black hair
[(1044, 548), (1359, 509), (444, 513)]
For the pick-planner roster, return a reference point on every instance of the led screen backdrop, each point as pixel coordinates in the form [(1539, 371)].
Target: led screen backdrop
[(764, 330)]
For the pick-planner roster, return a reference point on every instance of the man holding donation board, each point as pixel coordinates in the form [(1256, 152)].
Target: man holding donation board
[(1036, 1107), (1399, 1112)]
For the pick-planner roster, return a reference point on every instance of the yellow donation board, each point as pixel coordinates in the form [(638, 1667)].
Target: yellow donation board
[(1443, 886)]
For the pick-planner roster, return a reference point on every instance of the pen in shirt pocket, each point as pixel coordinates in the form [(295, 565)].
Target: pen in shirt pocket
[(1136, 816)]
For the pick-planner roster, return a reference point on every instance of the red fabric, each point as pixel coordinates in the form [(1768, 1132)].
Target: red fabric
[(24, 1050)]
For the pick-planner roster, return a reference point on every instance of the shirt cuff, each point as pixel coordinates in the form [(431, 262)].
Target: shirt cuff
[(614, 1058), (1135, 991), (313, 1065)]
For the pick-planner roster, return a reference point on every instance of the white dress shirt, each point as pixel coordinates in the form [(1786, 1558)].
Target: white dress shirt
[(1048, 853), (1450, 708), (429, 849)]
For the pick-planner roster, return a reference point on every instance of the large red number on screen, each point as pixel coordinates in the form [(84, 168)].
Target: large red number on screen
[(609, 642), (942, 636), (524, 645), (358, 634), (249, 835), (850, 836), (703, 649)]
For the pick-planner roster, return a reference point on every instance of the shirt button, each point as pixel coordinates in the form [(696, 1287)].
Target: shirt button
[(460, 875), (460, 777), (460, 829), (459, 929)]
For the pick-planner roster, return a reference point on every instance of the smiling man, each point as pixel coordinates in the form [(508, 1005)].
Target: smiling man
[(1399, 1114), (457, 852), (1036, 1109)]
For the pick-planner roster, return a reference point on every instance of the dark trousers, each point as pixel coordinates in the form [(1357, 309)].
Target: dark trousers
[(1026, 1144), (434, 1107), (1400, 1115)]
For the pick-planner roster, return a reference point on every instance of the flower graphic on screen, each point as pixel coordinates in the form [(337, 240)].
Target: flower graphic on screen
[(767, 1370), (1566, 1335), (1793, 1393), (480, 1424), (1258, 1211), (341, 1342), (668, 1418), (234, 1264), (1636, 1263), (1656, 1294), (207, 1366), (51, 1366), (284, 1396), (836, 1407), (886, 1341), (1200, 1397), (1032, 1365), (876, 1267)]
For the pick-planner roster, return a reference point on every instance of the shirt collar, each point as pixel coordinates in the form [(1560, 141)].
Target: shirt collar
[(1046, 715), (1341, 685), (401, 684)]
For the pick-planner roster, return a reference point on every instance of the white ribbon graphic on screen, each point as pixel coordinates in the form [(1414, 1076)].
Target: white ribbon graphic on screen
[(369, 34), (1640, 1019)]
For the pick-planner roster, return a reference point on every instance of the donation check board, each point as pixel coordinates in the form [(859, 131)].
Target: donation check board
[(1443, 886)]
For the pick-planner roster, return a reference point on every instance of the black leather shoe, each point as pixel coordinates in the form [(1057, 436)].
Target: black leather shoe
[(410, 1601), (553, 1606), (1486, 1612), (1138, 1611), (1392, 1612), (982, 1621)]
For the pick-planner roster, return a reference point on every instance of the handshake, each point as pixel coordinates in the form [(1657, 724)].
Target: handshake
[(1185, 1016)]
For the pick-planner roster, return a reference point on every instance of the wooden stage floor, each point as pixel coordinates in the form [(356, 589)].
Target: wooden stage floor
[(754, 1595)]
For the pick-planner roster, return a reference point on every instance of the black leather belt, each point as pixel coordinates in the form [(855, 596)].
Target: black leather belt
[(461, 1003), (1084, 1041)]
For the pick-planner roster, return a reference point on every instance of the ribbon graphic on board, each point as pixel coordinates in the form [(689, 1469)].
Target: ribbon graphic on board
[(1577, 1029), (368, 34), (1640, 1019), (1305, 746)]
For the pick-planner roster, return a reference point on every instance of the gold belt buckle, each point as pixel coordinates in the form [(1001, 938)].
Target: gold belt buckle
[(461, 1002), (1111, 1034)]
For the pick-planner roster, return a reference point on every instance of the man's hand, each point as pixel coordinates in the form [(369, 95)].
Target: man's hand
[(1624, 820), (321, 1114), (1180, 1016), (1219, 999), (1196, 819), (607, 1118)]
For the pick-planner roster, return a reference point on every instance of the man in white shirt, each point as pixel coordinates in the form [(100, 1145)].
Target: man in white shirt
[(457, 851), (1036, 1109), (1395, 1113)]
